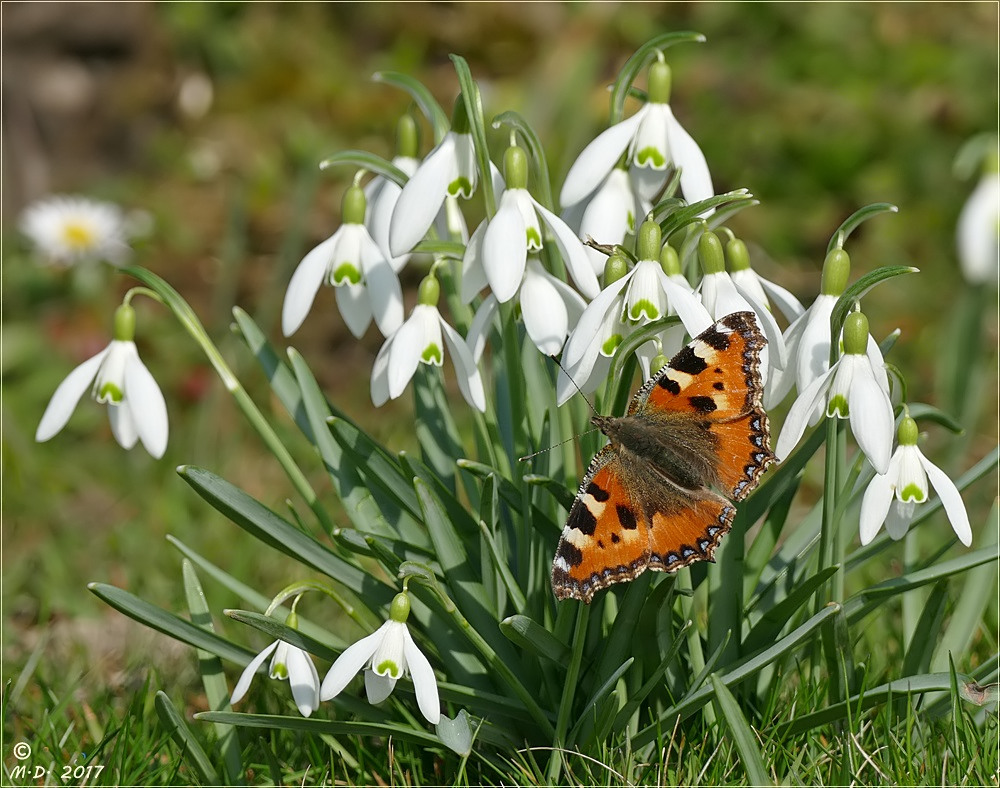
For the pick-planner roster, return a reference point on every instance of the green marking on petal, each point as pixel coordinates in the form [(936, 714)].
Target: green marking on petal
[(611, 344), (631, 223), (651, 157), (110, 392), (432, 355), (280, 671), (643, 307), (838, 407), (912, 492), (345, 273), (461, 186), (387, 666), (534, 239)]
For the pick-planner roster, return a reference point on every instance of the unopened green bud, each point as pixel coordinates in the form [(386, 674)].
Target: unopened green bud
[(459, 117), (399, 610), (659, 83), (124, 330), (352, 209), (907, 432), (710, 253), (648, 244), (515, 167), (836, 271), (292, 621), (737, 255), (856, 334), (658, 363), (429, 291), (407, 137), (669, 261), (615, 268)]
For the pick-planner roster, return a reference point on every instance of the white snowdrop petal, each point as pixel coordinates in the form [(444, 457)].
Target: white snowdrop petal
[(473, 273), (355, 308), (380, 375), (504, 251), (696, 181), (407, 345), (874, 507), (377, 687), (351, 660), (246, 677), (799, 415), (544, 313), (479, 330), (422, 196), (470, 383), (573, 253), (597, 159), (305, 283), (149, 410), (122, 422), (871, 419), (303, 680), (67, 395), (951, 499), (424, 683)]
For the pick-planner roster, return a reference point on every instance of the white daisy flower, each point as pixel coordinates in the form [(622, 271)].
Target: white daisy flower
[(390, 653), (69, 230), (419, 341), (350, 261), (893, 497), (136, 408), (856, 387), (289, 663), (979, 230), (653, 140)]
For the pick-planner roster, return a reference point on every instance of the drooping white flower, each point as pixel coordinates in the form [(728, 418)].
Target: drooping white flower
[(390, 653), (607, 215), (350, 261), (642, 295), (893, 497), (979, 230), (548, 307), (856, 387), (288, 663), (382, 194), (68, 230), (419, 341), (499, 249), (136, 408), (653, 140)]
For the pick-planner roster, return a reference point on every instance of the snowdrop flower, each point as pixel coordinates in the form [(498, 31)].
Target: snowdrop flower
[(607, 215), (497, 255), (762, 290), (287, 663), (449, 169), (390, 653), (856, 387), (419, 341), (893, 497), (653, 140), (382, 193), (978, 228), (548, 307), (807, 339), (70, 230), (136, 408), (350, 261), (642, 295)]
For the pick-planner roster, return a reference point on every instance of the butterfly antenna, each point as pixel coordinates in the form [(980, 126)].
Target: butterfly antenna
[(527, 457), (585, 397)]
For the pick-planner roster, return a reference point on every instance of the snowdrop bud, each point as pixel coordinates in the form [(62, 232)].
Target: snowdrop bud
[(659, 83), (658, 363), (515, 167), (399, 610), (836, 271), (429, 291), (352, 209), (615, 268), (710, 253), (669, 261), (124, 323), (459, 118), (650, 239), (737, 255), (907, 432), (407, 137), (856, 334)]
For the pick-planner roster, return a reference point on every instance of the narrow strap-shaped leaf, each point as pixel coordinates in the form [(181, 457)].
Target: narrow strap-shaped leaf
[(852, 222), (621, 639), (329, 650), (259, 521), (213, 677), (840, 657), (776, 617), (436, 432), (191, 750), (477, 127), (531, 636), (927, 631), (762, 547), (859, 289), (746, 743), (556, 489), (511, 495), (421, 96), (589, 715), (506, 576), (169, 624), (731, 202), (318, 727), (464, 523), (638, 59)]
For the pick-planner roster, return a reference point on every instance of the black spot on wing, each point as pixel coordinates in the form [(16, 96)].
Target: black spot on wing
[(715, 339), (719, 385), (570, 553), (581, 518), (670, 385), (615, 539), (703, 404), (688, 362), (627, 518), (598, 494)]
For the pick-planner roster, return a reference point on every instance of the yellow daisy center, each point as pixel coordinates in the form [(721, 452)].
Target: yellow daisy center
[(78, 235)]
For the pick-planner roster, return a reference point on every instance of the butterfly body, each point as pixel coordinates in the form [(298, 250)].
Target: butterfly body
[(657, 496)]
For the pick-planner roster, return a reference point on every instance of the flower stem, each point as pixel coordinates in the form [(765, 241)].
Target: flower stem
[(827, 533), (569, 691)]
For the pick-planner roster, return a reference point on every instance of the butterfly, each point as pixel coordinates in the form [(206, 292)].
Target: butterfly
[(651, 497)]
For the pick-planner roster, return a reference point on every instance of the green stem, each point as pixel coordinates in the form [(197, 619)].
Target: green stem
[(696, 657), (569, 692), (189, 320), (827, 531), (839, 537)]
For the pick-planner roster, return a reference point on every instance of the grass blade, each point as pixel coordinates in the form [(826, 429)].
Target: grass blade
[(531, 636), (191, 750), (743, 736)]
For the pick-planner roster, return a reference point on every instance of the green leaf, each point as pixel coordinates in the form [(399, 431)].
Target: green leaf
[(191, 750), (317, 727), (527, 634), (639, 59), (440, 443), (728, 203), (859, 289), (260, 522), (278, 631), (455, 734), (474, 110), (920, 411), (927, 631), (363, 160), (852, 222), (499, 565), (776, 617), (590, 715), (743, 736), (438, 248), (556, 489), (169, 624), (421, 96), (512, 496)]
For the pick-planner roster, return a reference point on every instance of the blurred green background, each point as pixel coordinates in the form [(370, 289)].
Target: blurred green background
[(213, 117)]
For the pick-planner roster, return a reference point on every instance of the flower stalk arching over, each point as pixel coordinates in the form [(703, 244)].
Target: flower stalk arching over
[(652, 139), (389, 653), (893, 497), (855, 388), (350, 261), (422, 340), (136, 408)]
